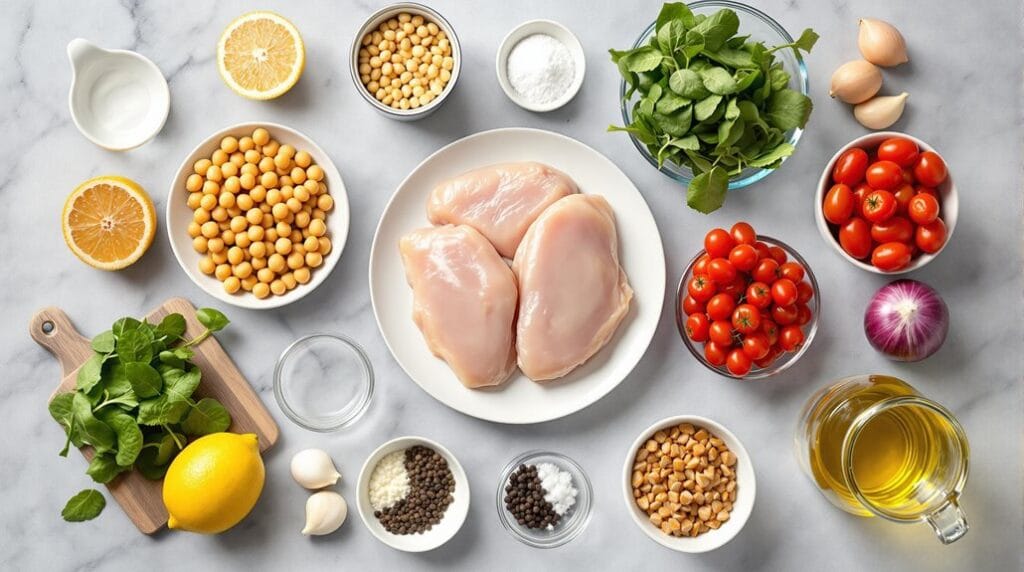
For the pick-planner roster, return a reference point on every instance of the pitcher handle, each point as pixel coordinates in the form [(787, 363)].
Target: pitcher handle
[(949, 522)]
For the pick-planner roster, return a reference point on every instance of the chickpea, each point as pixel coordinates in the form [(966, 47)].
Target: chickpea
[(193, 200), (260, 136), (238, 159), (273, 197), (201, 166), (289, 279), (247, 181), (236, 255), (296, 260), (303, 159), (325, 245), (201, 244), (252, 157), (255, 233), (271, 148), (276, 262), (209, 229), (266, 165), (278, 287), (301, 275), (201, 215), (261, 290), (280, 211), (317, 228), (219, 257), (283, 229), (232, 185), (222, 271), (282, 162), (270, 236), (315, 172), (206, 265), (246, 143), (215, 245), (311, 244), (228, 236), (283, 245), (319, 214), (242, 240), (194, 182), (228, 170), (298, 175), (248, 283), (285, 181), (266, 275), (211, 188), (258, 193), (302, 219), (242, 270), (226, 200), (258, 263), (314, 259), (219, 214)]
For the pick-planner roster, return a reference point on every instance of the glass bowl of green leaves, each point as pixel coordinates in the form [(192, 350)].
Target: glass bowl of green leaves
[(714, 95)]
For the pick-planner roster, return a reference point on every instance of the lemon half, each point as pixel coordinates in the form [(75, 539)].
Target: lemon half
[(260, 55)]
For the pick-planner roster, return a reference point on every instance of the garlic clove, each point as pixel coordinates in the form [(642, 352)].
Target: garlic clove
[(325, 513), (881, 112), (856, 81), (314, 469), (881, 43)]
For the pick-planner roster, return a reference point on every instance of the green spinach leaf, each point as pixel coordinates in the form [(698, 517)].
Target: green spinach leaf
[(86, 505), (208, 416), (706, 192)]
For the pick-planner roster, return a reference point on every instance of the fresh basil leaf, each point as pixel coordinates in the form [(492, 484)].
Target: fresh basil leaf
[(687, 83), (717, 28), (145, 380), (719, 81), (86, 505), (103, 468), (135, 345), (675, 12), (706, 107), (706, 192), (129, 436), (90, 373), (207, 416), (788, 109), (103, 343), (778, 152), (92, 431)]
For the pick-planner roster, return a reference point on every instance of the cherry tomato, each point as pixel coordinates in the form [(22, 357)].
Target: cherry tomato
[(930, 169), (770, 329), (720, 306), (784, 315), (903, 152), (697, 327), (903, 196), (879, 206), (773, 354), (804, 292), (715, 353), (743, 233), (720, 332), (792, 270), (930, 237), (743, 257), (859, 193), (721, 270), (718, 243), (791, 338), (762, 250), (691, 305), (759, 295), (896, 229), (738, 363), (778, 254), (884, 175), (850, 166), (855, 238), (746, 318), (784, 292), (923, 208), (891, 256), (700, 268), (765, 271), (701, 288), (803, 314), (756, 345), (838, 205), (927, 191), (735, 288)]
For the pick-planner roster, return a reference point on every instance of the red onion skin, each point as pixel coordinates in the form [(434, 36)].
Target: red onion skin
[(906, 320)]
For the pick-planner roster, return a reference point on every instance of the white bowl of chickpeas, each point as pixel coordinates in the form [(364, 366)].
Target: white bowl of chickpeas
[(405, 60), (689, 484), (257, 215)]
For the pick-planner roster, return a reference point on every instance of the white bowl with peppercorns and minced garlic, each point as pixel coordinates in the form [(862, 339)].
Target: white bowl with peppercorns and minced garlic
[(689, 484), (405, 60)]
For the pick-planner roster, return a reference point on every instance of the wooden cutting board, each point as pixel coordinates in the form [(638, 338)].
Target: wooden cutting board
[(140, 497)]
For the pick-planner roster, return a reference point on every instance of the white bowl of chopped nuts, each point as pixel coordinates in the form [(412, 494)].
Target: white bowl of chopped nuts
[(689, 484)]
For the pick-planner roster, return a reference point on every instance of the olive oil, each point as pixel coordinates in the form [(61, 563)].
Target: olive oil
[(907, 456)]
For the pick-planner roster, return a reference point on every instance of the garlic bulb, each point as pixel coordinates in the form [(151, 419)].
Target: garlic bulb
[(880, 112), (325, 513), (881, 43), (314, 469), (856, 81)]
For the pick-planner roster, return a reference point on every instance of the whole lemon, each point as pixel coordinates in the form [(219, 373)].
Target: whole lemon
[(213, 483)]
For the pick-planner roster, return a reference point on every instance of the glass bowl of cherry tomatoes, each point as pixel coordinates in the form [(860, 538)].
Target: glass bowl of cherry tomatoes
[(747, 305), (886, 203)]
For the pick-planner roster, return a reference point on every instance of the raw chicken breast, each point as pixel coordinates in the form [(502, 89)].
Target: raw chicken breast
[(464, 301), (572, 292), (501, 201)]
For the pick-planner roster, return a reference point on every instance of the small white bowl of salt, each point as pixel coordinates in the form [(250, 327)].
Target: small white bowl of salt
[(540, 65)]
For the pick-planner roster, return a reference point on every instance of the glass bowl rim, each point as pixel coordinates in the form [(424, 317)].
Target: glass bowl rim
[(763, 373), (338, 421), (583, 507), (804, 83)]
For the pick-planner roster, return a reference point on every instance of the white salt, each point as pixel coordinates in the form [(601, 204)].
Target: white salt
[(540, 69), (557, 485)]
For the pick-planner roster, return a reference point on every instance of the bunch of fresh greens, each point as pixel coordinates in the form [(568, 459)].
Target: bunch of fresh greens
[(710, 100), (133, 402)]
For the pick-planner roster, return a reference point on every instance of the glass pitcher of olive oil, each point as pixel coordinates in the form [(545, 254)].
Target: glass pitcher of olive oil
[(875, 447)]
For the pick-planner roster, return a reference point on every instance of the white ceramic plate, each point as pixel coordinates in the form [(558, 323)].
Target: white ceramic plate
[(520, 400), (443, 531), (179, 215)]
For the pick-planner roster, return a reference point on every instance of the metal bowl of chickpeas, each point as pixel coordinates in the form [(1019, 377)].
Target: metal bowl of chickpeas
[(257, 215), (405, 60)]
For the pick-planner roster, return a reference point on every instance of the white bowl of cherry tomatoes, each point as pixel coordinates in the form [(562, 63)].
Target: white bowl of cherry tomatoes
[(747, 305), (886, 203)]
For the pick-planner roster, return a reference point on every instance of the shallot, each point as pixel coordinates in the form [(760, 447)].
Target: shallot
[(906, 320)]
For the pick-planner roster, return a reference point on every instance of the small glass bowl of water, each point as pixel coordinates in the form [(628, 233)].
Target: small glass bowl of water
[(323, 382)]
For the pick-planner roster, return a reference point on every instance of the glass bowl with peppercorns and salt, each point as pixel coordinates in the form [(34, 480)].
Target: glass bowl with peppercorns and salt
[(544, 499)]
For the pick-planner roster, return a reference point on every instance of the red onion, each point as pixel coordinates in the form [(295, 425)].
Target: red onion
[(906, 320)]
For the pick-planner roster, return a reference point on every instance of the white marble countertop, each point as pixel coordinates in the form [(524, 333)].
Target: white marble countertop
[(964, 81)]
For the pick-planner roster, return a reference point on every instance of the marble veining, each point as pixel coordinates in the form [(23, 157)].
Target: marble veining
[(964, 81)]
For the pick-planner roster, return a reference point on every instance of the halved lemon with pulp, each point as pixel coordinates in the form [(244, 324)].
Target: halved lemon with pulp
[(260, 55), (108, 222)]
